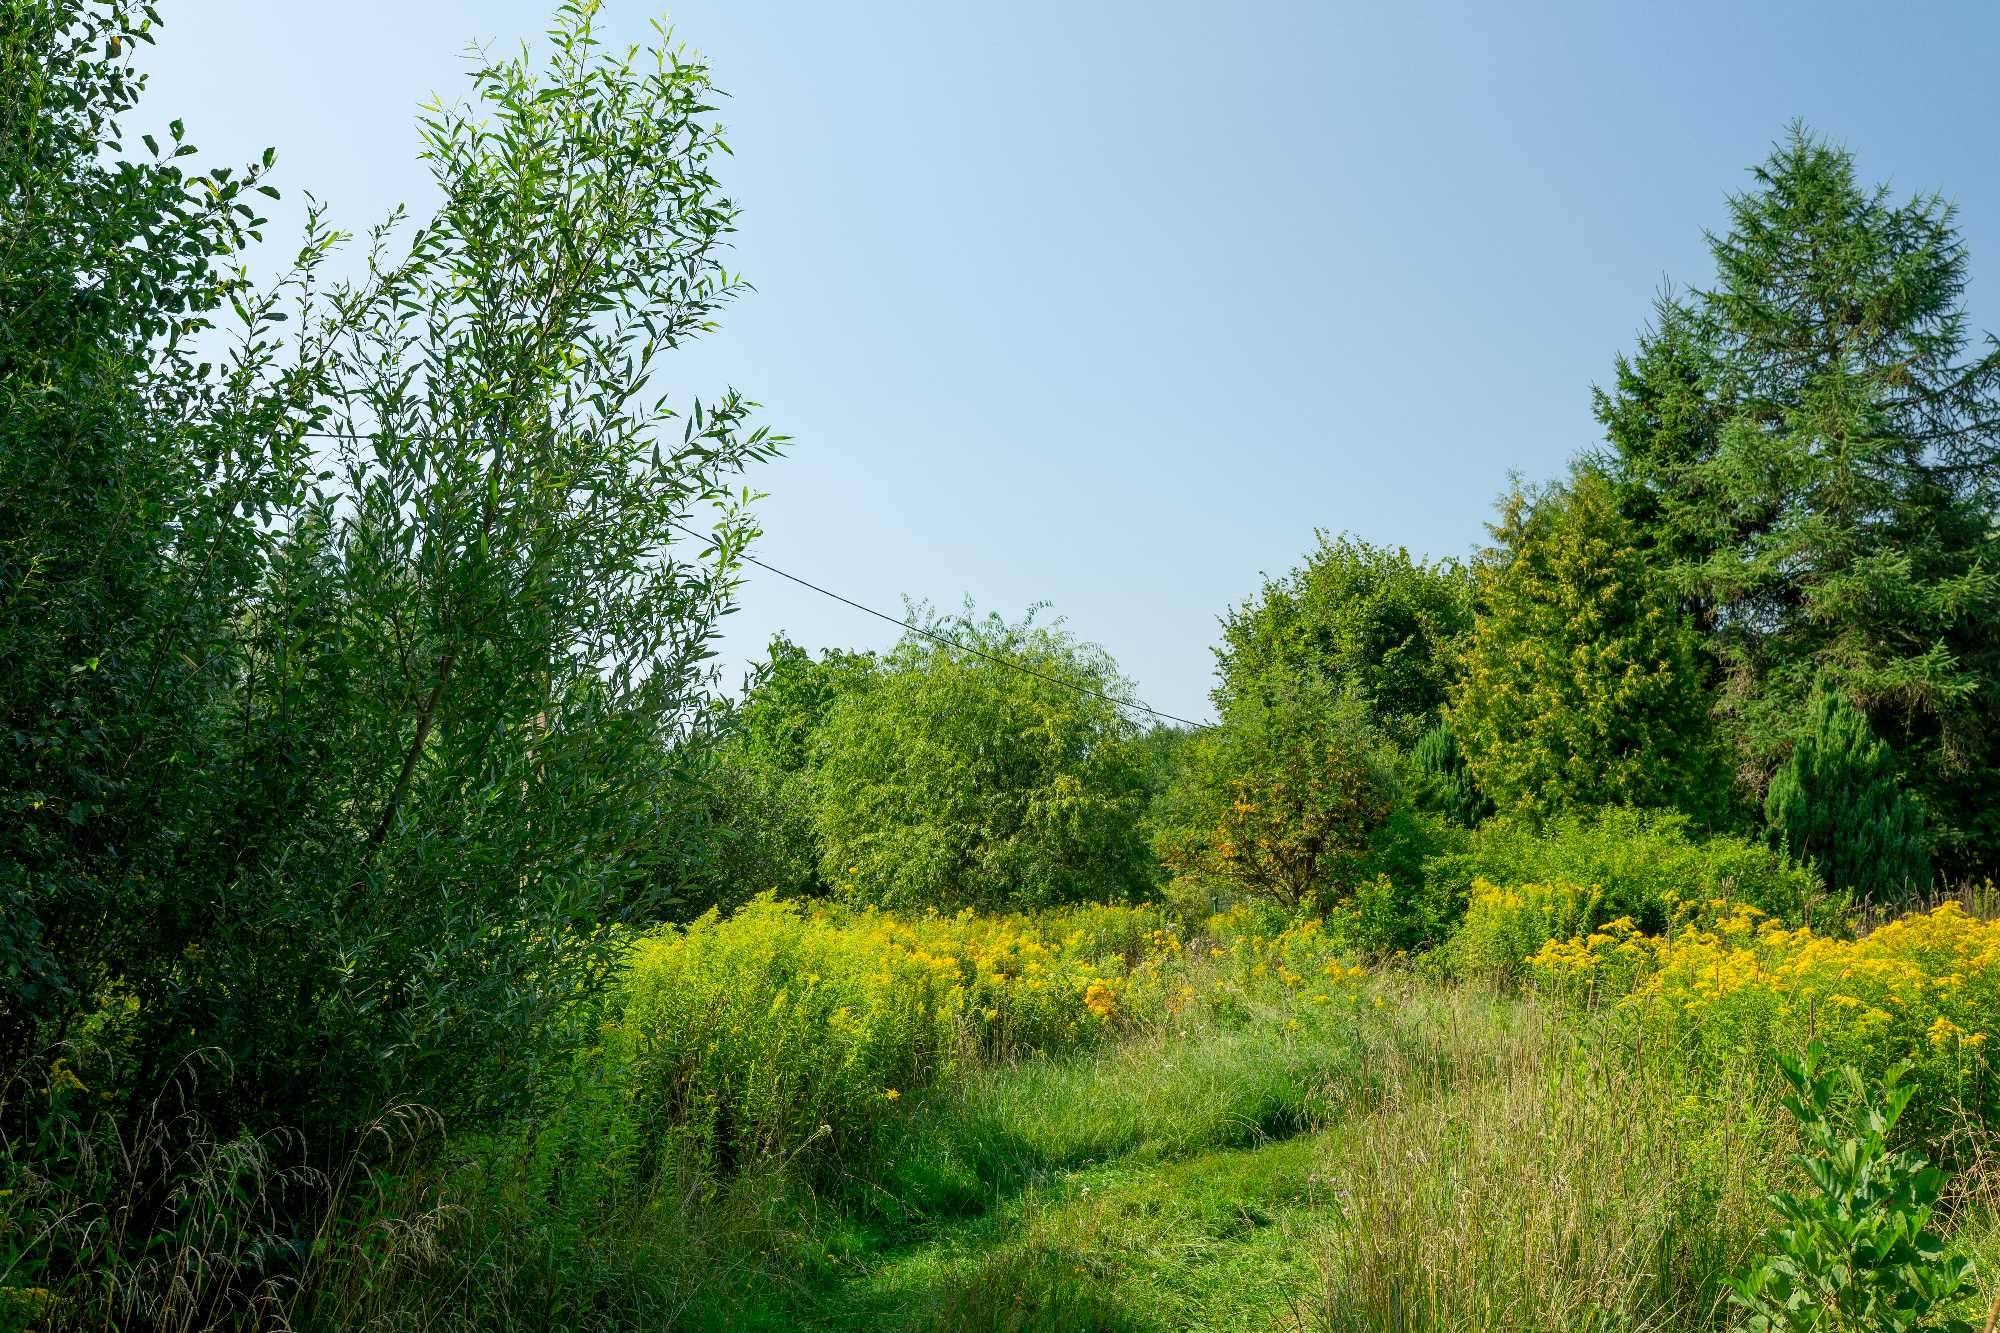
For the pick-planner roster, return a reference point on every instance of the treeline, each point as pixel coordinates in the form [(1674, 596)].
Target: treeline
[(1765, 605)]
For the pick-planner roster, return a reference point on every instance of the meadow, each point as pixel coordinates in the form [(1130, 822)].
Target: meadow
[(1093, 1119), (404, 927)]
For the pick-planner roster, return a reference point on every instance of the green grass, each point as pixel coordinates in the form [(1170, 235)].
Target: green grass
[(1449, 1159)]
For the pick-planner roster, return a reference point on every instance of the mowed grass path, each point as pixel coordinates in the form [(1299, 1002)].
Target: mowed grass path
[(1445, 1160)]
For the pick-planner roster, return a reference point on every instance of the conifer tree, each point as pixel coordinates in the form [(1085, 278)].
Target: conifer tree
[(1836, 801), (1813, 457), (1444, 780), (1582, 680)]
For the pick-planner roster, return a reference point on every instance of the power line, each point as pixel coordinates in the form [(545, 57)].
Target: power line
[(950, 642), (944, 639)]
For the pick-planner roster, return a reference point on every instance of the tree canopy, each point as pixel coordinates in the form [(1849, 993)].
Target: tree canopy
[(1815, 455), (954, 780), (1583, 681)]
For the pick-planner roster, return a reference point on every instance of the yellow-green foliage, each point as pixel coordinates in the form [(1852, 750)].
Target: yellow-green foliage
[(1924, 988), (1503, 926), (750, 1036)]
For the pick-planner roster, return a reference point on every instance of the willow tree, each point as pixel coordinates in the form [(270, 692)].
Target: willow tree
[(341, 673)]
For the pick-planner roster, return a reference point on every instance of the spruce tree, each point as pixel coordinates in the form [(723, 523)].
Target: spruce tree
[(1582, 681), (1836, 802), (1444, 781), (1814, 457)]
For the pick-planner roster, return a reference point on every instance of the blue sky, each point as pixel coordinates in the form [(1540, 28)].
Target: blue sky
[(1111, 305)]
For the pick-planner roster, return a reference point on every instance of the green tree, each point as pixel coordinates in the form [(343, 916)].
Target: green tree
[(1279, 801), (1444, 781), (344, 759), (763, 834), (1372, 621), (1815, 457), (149, 424), (1836, 801), (1582, 680), (954, 780)]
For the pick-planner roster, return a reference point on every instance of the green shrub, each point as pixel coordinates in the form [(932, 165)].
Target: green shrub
[(1856, 1255), (1639, 863), (953, 780), (1393, 906), (1280, 800), (1836, 802), (1506, 925)]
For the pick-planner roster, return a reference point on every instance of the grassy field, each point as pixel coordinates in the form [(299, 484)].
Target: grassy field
[(820, 1118), (1458, 1161), (1432, 1155)]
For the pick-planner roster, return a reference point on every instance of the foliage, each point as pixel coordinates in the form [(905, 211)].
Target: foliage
[(751, 1038), (1582, 681), (1808, 447), (474, 646), (1922, 989), (1365, 621), (1858, 1252), (362, 774), (789, 696), (137, 480), (1280, 800), (954, 780), (1640, 863), (1444, 781), (761, 781), (1836, 801), (1506, 927)]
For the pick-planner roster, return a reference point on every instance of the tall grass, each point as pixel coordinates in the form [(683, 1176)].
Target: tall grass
[(1561, 1179), (1218, 1131), (114, 1220)]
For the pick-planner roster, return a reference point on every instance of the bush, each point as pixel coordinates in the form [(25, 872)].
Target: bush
[(955, 781), (1922, 990), (1836, 802), (753, 830), (1393, 906), (1639, 863), (1279, 801), (1856, 1253), (747, 1037), (1506, 926)]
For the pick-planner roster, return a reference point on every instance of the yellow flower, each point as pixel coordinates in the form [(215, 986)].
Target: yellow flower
[(891, 1093)]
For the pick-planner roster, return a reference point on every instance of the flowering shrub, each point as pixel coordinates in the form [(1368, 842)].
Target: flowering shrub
[(1924, 988), (1504, 926), (1644, 861), (749, 1036), (744, 1035)]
